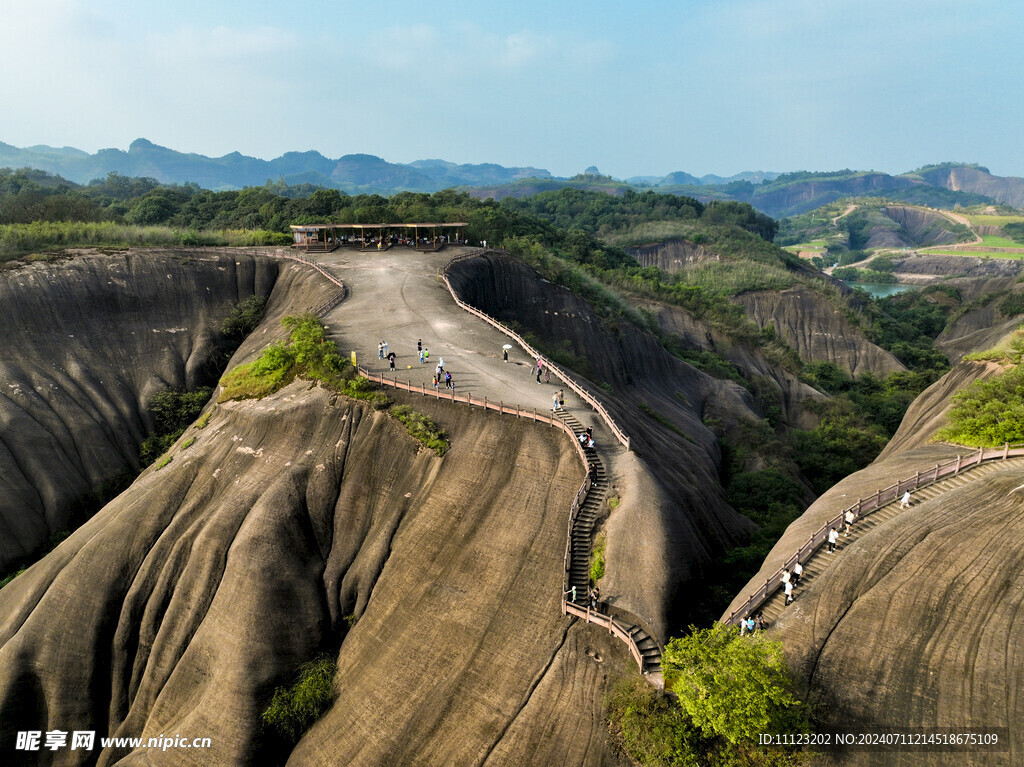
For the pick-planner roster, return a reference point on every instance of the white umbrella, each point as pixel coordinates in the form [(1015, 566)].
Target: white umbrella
[(507, 346)]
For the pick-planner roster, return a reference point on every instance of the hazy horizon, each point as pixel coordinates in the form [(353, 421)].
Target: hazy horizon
[(699, 86)]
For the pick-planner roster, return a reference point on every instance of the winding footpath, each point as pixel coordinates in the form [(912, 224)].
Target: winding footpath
[(403, 297)]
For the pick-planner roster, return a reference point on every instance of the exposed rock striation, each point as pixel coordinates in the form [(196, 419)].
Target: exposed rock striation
[(818, 330), (674, 519), (87, 342), (211, 579)]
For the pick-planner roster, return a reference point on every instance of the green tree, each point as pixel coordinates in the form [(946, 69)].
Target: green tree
[(733, 687)]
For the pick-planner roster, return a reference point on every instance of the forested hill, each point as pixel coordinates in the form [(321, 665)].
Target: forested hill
[(940, 186)]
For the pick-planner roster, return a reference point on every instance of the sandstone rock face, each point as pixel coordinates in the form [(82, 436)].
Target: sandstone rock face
[(209, 580), (917, 228), (817, 330), (927, 414), (674, 518), (87, 342), (669, 256), (792, 393), (917, 623)]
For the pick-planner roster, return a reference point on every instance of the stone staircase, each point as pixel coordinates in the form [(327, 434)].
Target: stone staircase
[(821, 559), (580, 550), (583, 527)]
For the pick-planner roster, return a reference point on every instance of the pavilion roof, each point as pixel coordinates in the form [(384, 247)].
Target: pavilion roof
[(423, 225)]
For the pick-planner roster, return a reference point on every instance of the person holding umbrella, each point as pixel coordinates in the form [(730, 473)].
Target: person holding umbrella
[(504, 351)]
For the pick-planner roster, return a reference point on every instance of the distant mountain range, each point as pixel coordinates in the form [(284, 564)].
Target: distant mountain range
[(776, 194)]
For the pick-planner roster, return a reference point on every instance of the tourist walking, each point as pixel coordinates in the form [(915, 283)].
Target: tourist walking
[(561, 400), (833, 537), (448, 380), (789, 592), (505, 354), (905, 500), (380, 350), (554, 402), (421, 356), (419, 345), (847, 522), (385, 348), (435, 382), (391, 359), (798, 572)]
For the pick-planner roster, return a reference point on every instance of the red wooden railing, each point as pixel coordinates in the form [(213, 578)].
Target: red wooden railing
[(568, 608), (866, 506), (589, 398)]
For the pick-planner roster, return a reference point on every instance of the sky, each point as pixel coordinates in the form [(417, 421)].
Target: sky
[(646, 88)]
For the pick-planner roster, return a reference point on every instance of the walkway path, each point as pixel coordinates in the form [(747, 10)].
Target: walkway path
[(398, 296), (820, 558)]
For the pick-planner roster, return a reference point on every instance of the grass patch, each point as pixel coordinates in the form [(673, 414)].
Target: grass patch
[(422, 428), (204, 419), (163, 462), (307, 354), (293, 709), (663, 421), (613, 502), (188, 443), (1009, 351), (597, 558)]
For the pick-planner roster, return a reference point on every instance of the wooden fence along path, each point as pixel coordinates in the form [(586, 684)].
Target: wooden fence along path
[(864, 508), (640, 642), (585, 395)]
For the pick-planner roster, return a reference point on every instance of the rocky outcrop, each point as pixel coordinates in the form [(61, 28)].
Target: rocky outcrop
[(916, 228), (87, 342), (671, 256), (781, 386), (915, 625), (209, 580), (676, 507), (1008, 189), (818, 330), (927, 414)]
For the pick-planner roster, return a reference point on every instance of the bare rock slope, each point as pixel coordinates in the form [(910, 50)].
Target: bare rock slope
[(87, 342), (818, 330), (916, 625), (211, 579)]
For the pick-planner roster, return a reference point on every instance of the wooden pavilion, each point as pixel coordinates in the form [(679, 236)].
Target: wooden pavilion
[(421, 236)]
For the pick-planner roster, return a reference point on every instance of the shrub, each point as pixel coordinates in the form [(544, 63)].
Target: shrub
[(733, 687), (597, 558), (244, 318), (422, 427), (988, 413), (649, 728), (163, 462), (293, 709), (172, 410)]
